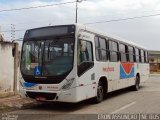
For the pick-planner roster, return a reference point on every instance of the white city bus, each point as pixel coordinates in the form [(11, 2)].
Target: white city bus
[(72, 63)]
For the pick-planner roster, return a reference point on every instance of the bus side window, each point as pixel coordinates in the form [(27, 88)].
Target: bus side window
[(123, 52), (140, 59), (131, 53), (142, 56), (137, 55), (134, 54), (146, 56), (113, 48), (101, 49)]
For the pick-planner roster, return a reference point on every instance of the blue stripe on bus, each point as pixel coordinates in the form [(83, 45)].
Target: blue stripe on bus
[(27, 84)]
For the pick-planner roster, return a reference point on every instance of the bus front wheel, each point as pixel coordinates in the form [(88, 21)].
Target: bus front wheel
[(100, 93)]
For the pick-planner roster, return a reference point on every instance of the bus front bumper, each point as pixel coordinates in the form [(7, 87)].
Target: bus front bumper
[(59, 96)]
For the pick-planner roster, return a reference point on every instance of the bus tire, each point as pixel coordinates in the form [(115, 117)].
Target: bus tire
[(100, 93), (137, 84)]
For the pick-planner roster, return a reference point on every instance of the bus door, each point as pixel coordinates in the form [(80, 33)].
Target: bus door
[(85, 58)]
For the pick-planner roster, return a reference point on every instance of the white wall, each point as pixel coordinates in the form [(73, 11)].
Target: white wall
[(6, 67)]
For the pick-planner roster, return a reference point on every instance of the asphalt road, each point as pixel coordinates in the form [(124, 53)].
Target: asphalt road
[(146, 100)]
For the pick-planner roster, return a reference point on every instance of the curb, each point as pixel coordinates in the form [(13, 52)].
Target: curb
[(28, 105), (4, 108), (6, 94), (154, 75), (20, 104)]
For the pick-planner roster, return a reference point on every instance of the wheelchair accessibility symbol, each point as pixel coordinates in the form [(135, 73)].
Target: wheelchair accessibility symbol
[(37, 70)]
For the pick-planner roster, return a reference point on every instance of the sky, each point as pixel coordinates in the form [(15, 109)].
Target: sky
[(144, 31)]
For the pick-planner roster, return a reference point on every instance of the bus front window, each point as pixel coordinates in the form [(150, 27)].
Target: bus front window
[(47, 57)]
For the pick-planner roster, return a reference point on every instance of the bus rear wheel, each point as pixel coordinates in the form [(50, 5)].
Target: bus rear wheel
[(137, 86), (100, 93)]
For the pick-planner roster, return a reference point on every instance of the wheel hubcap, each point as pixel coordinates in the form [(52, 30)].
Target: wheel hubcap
[(137, 83), (100, 93)]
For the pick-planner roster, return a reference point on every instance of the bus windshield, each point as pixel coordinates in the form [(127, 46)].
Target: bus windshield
[(47, 57)]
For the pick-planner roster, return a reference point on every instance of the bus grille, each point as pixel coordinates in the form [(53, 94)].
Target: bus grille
[(48, 96)]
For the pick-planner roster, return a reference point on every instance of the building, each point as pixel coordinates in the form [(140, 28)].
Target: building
[(154, 60), (1, 38), (8, 66)]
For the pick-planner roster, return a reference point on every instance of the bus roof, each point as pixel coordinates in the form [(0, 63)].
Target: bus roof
[(80, 26), (104, 34)]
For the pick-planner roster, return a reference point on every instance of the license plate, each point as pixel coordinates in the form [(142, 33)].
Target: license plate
[(40, 98)]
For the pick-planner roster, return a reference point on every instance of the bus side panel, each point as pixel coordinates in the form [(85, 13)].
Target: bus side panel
[(127, 74), (137, 68), (131, 79), (86, 85), (102, 71), (144, 72), (114, 76)]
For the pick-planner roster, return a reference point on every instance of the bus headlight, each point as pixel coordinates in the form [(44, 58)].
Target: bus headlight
[(68, 84)]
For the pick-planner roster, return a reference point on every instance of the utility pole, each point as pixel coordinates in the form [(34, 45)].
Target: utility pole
[(77, 1), (76, 9), (12, 32), (0, 34)]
